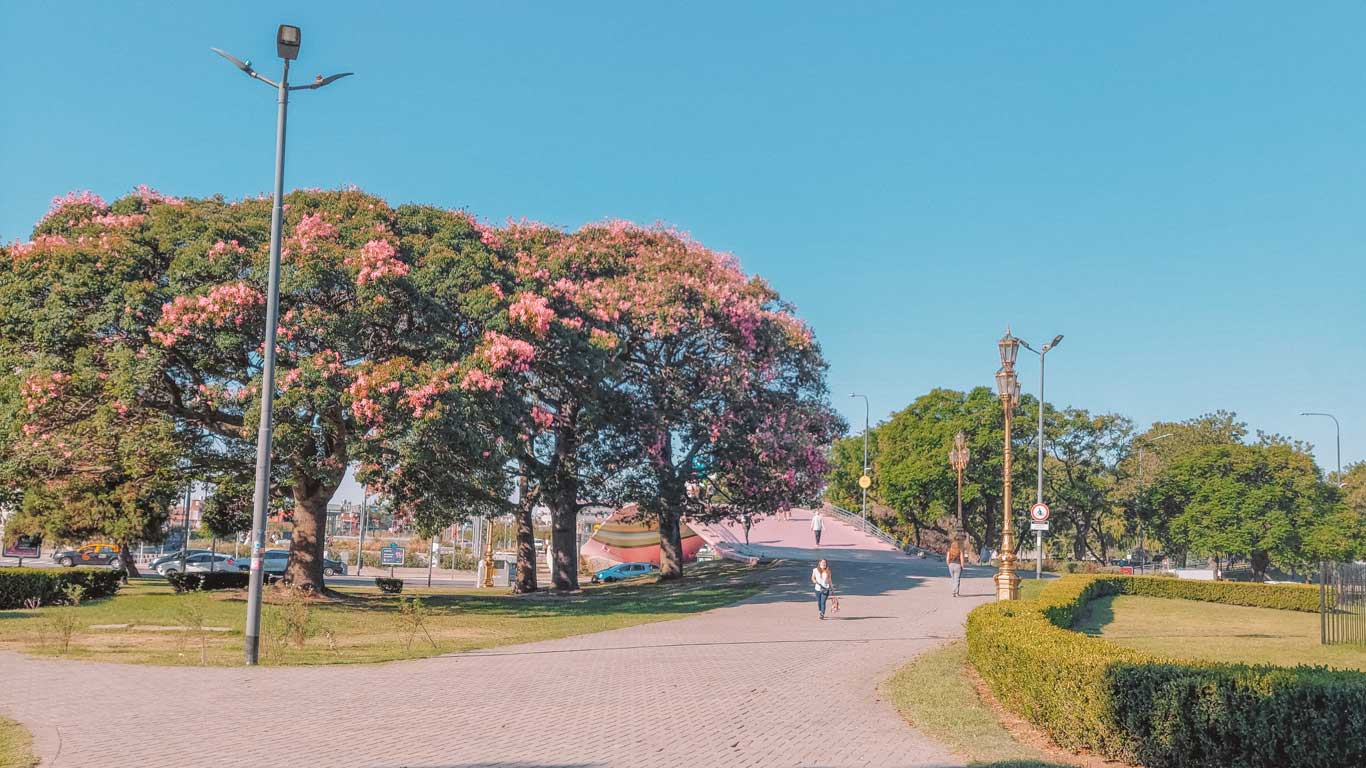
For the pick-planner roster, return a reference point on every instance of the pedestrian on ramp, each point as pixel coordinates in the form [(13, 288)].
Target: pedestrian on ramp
[(817, 523)]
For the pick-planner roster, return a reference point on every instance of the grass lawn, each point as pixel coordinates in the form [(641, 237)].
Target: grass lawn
[(935, 694), (361, 625), (1198, 630), (16, 746)]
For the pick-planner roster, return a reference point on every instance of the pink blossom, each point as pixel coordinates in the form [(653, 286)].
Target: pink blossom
[(223, 306), (376, 260), (118, 221), (150, 195), (312, 227), (83, 197), (543, 418), (475, 379), (503, 352), (532, 311), (219, 248)]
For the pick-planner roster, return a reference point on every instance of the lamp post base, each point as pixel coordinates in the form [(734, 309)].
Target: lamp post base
[(1007, 582)]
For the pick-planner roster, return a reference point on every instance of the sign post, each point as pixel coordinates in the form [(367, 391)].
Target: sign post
[(391, 555), (1038, 522)]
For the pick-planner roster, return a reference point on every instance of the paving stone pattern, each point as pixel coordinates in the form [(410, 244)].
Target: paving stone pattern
[(760, 683)]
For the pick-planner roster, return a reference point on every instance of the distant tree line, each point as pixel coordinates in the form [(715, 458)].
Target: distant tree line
[(1203, 487)]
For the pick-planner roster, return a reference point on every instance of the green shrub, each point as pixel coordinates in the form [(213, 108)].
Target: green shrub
[(389, 586), (23, 587), (1088, 693), (195, 582)]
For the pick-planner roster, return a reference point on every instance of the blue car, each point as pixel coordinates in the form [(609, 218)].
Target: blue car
[(623, 571)]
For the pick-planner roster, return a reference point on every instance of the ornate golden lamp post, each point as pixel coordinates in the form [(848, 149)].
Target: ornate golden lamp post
[(1007, 582), (958, 459), (488, 557)]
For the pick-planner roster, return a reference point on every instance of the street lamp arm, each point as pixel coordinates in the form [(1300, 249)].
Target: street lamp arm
[(320, 82), (245, 66)]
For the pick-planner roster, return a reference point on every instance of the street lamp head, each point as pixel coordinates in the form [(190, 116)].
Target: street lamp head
[(1014, 391), (1055, 342), (1010, 347), (1004, 377), (287, 42)]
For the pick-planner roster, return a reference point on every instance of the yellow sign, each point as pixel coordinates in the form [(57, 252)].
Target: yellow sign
[(865, 482)]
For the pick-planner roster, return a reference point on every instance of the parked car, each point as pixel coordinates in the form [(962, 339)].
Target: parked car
[(90, 554), (704, 553), (160, 561), (623, 571), (274, 562), (204, 562)]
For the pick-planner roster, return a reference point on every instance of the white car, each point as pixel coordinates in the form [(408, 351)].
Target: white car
[(203, 562)]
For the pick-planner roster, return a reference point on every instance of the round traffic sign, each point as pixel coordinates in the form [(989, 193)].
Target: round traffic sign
[(1038, 512), (865, 482)]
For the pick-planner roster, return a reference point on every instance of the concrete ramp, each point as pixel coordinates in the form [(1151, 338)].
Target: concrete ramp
[(790, 537)]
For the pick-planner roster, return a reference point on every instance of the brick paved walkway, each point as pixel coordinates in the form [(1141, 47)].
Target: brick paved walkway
[(760, 683)]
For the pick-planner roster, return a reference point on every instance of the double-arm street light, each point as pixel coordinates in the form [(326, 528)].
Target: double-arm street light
[(1043, 355), (287, 39), (1339, 436), (958, 459), (1008, 385), (865, 458)]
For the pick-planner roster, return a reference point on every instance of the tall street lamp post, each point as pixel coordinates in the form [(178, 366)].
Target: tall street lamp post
[(1038, 535), (287, 39), (1142, 534), (958, 459), (865, 458), (1007, 581), (1339, 436)]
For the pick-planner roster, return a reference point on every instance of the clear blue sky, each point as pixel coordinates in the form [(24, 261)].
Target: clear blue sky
[(1178, 189)]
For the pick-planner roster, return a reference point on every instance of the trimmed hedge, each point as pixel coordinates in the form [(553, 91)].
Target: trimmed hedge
[(389, 586), (20, 585), (191, 582), (1088, 693)]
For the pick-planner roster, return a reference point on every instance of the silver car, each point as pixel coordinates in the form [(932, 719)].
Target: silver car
[(204, 562)]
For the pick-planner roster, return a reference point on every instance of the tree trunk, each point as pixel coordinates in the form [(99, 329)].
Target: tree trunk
[(130, 566), (670, 530), (1260, 561), (564, 500), (305, 569), (526, 542)]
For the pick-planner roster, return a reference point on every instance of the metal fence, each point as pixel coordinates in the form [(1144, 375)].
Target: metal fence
[(856, 520), (1342, 603)]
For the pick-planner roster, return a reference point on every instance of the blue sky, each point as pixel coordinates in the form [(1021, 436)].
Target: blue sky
[(1176, 187)]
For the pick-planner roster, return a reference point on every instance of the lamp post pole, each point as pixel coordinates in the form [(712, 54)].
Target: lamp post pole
[(1007, 581), (1038, 535), (958, 459), (1338, 427), (865, 455), (287, 40)]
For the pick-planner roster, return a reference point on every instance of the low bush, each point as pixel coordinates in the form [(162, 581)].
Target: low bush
[(195, 582), (30, 587), (1088, 693), (389, 586)]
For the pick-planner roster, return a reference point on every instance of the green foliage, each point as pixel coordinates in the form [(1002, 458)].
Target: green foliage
[(414, 614), (389, 586), (33, 587), (195, 582), (1255, 500), (1090, 694)]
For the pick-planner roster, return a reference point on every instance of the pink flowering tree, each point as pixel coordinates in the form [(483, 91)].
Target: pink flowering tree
[(722, 387), (551, 365), (79, 457), (380, 322)]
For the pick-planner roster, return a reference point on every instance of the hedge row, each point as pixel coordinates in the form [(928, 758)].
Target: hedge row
[(1088, 693), (19, 586), (191, 582)]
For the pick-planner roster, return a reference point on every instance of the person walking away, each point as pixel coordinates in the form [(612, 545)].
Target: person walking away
[(824, 583), (817, 523), (956, 561)]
